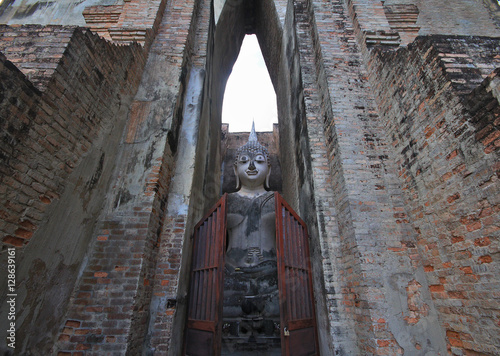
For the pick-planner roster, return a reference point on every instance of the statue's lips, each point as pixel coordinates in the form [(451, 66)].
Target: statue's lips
[(252, 173)]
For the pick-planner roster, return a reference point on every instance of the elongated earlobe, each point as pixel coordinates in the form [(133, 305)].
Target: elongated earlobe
[(266, 183), (238, 185)]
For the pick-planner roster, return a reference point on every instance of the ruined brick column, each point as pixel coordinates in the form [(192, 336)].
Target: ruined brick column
[(110, 307)]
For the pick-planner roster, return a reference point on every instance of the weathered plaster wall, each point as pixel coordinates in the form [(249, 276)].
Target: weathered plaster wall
[(462, 17), (374, 21), (58, 150), (67, 12)]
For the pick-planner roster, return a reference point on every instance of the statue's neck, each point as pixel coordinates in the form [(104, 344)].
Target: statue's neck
[(251, 192)]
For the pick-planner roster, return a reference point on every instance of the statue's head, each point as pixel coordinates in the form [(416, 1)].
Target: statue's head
[(252, 166)]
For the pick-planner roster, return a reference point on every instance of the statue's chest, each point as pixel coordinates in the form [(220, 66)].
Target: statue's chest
[(251, 229)]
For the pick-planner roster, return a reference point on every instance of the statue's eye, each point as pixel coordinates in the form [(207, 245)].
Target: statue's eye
[(260, 158), (244, 158)]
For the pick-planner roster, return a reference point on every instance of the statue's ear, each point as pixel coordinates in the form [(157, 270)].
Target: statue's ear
[(266, 184), (238, 187)]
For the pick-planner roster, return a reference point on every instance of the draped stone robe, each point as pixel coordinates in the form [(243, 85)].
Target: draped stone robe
[(251, 301)]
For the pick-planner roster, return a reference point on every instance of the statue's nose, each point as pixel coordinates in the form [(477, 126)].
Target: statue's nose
[(251, 166)]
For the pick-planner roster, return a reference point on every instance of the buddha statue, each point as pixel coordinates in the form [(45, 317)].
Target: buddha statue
[(251, 301)]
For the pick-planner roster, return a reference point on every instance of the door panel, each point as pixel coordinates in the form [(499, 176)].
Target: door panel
[(203, 330), (298, 317), (297, 312)]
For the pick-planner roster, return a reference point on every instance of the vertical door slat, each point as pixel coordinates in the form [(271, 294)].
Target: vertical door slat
[(203, 327), (297, 312)]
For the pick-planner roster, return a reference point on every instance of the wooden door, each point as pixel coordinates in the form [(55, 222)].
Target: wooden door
[(297, 312), (204, 322)]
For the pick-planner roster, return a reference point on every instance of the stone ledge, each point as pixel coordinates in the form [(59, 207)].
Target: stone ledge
[(134, 21), (381, 38), (102, 14)]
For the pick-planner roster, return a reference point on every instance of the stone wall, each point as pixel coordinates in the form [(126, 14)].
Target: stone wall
[(58, 150)]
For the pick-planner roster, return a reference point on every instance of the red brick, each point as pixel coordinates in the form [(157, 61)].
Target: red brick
[(64, 337), (73, 323), (466, 270), (436, 288), (14, 241), (100, 274), (83, 347), (22, 233), (453, 197), (474, 226), (485, 259), (482, 241)]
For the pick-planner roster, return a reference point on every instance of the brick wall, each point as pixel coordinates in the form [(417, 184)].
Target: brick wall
[(465, 17), (438, 105), (122, 303), (109, 309), (35, 50), (133, 21), (317, 26), (57, 157), (19, 102), (191, 191), (398, 22), (63, 124), (371, 24)]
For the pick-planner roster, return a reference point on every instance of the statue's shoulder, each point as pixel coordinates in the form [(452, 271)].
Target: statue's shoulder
[(237, 201), (243, 197)]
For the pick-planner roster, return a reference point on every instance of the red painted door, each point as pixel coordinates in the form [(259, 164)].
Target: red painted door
[(298, 316), (204, 322)]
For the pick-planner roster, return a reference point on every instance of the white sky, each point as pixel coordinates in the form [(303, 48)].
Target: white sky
[(249, 92)]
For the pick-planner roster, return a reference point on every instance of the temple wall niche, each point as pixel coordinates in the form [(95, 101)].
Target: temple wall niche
[(284, 72), (283, 63)]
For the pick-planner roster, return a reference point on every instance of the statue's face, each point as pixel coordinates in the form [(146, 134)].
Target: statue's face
[(252, 169)]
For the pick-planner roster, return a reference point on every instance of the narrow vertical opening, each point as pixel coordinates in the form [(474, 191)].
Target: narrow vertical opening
[(249, 94), (249, 97)]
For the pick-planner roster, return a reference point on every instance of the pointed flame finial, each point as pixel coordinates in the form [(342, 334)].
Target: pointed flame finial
[(253, 136)]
